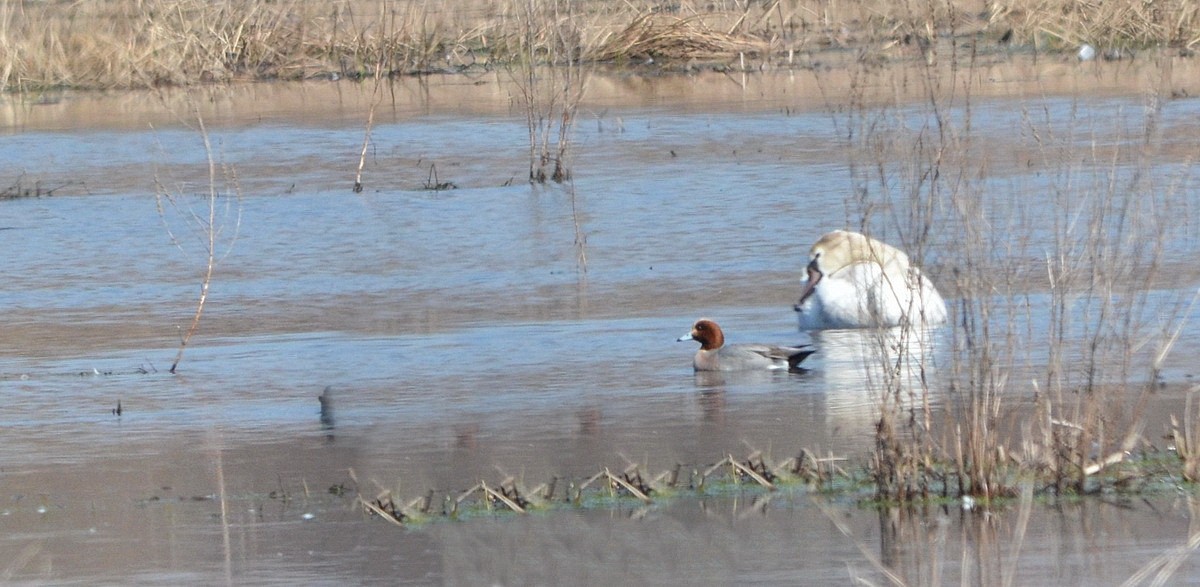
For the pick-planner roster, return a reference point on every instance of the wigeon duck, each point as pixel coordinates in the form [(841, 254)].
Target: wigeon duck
[(715, 355), (855, 281)]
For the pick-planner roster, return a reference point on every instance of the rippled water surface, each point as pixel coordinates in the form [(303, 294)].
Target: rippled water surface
[(490, 330)]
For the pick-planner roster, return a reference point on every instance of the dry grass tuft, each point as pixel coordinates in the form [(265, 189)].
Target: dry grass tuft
[(654, 36)]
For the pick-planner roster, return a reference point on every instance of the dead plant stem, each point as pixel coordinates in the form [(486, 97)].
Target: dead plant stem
[(376, 99), (210, 227)]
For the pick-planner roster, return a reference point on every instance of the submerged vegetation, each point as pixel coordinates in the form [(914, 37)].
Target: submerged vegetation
[(607, 487), (1146, 473), (153, 43)]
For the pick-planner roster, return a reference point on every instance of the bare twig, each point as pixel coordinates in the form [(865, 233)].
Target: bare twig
[(376, 99), (210, 226)]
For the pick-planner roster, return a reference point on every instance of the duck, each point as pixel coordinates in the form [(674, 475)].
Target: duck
[(855, 281), (715, 355)]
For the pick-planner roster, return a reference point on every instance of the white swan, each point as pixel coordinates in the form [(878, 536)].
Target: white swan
[(855, 281)]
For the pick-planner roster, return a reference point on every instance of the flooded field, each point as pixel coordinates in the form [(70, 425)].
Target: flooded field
[(501, 329)]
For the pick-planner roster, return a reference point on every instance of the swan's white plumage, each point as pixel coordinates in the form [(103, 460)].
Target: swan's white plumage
[(855, 281)]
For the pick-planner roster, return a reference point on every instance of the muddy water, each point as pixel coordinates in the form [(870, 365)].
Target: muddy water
[(490, 330)]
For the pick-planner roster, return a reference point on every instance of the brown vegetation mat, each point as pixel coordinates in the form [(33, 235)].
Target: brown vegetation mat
[(1128, 472), (629, 483)]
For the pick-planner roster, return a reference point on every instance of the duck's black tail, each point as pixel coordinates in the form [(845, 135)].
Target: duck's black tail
[(798, 357)]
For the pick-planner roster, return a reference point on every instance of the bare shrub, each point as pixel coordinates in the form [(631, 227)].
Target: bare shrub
[(551, 80), (215, 223)]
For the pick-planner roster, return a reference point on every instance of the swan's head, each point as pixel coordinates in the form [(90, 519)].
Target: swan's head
[(840, 249)]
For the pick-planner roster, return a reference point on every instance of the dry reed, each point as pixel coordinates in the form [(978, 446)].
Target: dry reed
[(150, 43), (1104, 224)]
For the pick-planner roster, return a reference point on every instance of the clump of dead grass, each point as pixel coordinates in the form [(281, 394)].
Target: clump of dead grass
[(655, 36)]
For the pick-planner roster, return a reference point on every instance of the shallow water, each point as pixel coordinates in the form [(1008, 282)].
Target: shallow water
[(467, 335)]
